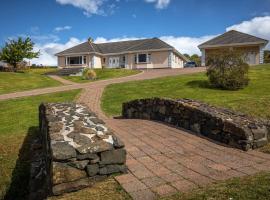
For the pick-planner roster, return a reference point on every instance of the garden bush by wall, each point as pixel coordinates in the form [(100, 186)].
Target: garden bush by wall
[(75, 150), (223, 125)]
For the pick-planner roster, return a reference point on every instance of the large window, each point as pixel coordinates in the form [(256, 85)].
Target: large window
[(76, 60), (142, 58)]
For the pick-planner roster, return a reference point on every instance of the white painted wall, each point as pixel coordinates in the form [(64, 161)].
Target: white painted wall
[(203, 57), (97, 62), (177, 61)]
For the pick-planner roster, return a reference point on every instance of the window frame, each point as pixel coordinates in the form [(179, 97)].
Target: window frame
[(147, 58), (82, 60)]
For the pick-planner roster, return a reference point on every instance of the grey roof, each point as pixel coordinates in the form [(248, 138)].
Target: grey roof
[(233, 37), (118, 47)]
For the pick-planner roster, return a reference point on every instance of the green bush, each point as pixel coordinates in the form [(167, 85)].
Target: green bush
[(227, 70), (89, 74)]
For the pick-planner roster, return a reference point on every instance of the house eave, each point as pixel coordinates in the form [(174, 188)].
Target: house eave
[(232, 45)]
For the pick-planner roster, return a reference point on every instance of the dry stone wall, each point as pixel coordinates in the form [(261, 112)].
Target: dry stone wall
[(235, 129), (76, 148)]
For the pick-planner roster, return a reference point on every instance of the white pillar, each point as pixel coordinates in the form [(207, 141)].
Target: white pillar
[(170, 59), (261, 54), (203, 57)]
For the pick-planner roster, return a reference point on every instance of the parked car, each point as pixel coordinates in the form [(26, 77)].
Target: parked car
[(190, 64)]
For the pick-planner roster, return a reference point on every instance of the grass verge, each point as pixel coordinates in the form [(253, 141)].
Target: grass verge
[(26, 80)]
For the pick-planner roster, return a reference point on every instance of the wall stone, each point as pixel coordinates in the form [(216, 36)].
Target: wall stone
[(75, 149), (223, 125)]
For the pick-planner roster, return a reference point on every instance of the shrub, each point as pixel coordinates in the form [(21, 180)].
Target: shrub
[(89, 74), (227, 70)]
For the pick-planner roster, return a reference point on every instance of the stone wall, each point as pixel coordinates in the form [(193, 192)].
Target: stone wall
[(223, 125), (75, 150)]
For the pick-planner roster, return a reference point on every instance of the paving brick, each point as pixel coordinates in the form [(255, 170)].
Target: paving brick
[(160, 171), (183, 185), (164, 190), (153, 181), (146, 194), (134, 186), (143, 173), (171, 177), (125, 178)]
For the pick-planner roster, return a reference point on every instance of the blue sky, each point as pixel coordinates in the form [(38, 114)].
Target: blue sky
[(58, 24)]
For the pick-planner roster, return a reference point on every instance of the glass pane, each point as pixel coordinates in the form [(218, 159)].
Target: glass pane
[(142, 57), (75, 60)]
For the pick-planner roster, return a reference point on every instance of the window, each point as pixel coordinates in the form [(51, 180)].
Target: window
[(149, 58), (142, 58), (84, 60), (104, 60), (74, 60)]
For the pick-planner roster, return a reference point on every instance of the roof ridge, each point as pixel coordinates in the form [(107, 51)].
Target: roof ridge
[(90, 43), (163, 42)]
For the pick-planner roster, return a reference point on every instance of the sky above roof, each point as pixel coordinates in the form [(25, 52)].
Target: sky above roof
[(55, 25)]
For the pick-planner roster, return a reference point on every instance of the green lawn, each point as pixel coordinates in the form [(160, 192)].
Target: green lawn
[(19, 125), (103, 74), (253, 100), (26, 80)]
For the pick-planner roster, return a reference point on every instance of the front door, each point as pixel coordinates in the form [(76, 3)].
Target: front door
[(113, 62)]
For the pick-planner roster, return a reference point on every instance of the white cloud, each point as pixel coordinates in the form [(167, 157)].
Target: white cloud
[(62, 28), (103, 40), (258, 26), (89, 7), (187, 45), (48, 50), (159, 4)]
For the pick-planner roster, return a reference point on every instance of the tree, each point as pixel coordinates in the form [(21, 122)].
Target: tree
[(227, 69), (15, 51), (266, 56), (187, 56), (90, 40), (195, 58)]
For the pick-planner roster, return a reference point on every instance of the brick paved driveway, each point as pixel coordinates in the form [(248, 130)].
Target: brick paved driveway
[(163, 160)]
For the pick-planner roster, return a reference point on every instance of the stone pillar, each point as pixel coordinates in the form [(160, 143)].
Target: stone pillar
[(203, 57)]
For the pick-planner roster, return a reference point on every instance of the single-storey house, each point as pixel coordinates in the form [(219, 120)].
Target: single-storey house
[(133, 54), (250, 45)]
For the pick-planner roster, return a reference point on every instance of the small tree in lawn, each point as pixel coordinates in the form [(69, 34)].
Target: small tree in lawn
[(227, 69), (266, 56), (15, 51)]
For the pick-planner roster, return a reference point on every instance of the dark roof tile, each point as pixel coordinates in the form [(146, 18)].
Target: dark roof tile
[(232, 37), (118, 47)]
